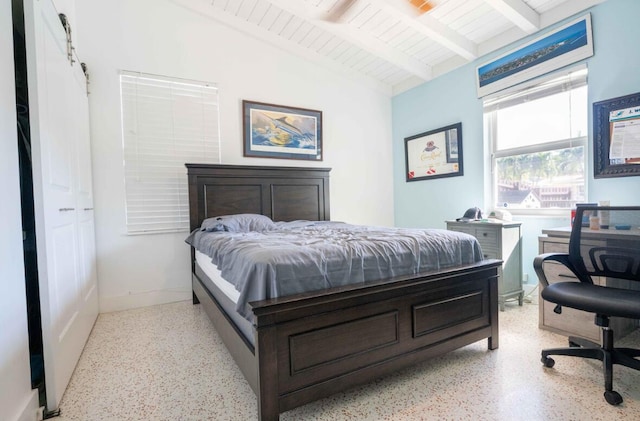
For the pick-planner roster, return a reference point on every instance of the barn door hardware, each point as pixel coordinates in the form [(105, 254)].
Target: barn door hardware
[(67, 30)]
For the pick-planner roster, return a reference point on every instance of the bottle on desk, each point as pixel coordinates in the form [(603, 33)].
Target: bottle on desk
[(604, 215)]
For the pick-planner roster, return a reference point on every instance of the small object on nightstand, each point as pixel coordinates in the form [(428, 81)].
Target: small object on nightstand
[(501, 214), (472, 214)]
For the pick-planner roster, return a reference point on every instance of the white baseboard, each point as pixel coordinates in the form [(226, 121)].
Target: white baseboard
[(144, 299), (31, 410)]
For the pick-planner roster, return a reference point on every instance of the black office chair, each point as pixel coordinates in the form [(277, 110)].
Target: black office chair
[(619, 259)]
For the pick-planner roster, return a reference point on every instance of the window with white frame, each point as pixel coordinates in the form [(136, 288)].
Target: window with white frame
[(538, 137), (166, 122)]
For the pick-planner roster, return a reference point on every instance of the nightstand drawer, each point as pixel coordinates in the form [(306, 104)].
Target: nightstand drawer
[(464, 228), (490, 254), (487, 236), (490, 249)]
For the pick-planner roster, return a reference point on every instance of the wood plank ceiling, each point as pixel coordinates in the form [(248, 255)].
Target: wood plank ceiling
[(389, 43)]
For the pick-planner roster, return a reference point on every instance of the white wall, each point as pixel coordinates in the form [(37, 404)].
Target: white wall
[(17, 400), (159, 37)]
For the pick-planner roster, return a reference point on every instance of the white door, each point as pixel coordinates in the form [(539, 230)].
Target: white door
[(59, 138), (84, 203)]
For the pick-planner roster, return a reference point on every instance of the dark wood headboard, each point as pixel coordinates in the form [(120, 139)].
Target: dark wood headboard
[(281, 193)]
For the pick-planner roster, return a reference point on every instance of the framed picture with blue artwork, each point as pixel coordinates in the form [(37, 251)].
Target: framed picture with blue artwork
[(278, 131), (565, 45)]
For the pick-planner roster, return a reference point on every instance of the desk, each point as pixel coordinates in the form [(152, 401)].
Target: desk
[(601, 234), (575, 322)]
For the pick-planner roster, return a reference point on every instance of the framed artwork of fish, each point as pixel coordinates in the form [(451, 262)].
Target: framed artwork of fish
[(434, 154), (279, 131)]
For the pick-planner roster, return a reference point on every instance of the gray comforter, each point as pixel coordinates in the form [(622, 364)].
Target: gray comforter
[(303, 256)]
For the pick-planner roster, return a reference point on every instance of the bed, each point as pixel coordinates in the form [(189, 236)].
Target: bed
[(303, 347)]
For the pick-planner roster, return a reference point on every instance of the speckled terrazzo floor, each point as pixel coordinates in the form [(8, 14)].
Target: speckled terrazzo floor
[(167, 363)]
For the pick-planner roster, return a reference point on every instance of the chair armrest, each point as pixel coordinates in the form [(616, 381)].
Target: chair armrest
[(550, 257)]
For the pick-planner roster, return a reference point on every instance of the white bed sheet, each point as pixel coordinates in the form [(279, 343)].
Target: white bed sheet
[(214, 274)]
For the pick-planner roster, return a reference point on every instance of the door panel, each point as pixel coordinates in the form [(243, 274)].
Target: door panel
[(63, 280), (84, 204), (58, 110), (57, 148), (87, 259)]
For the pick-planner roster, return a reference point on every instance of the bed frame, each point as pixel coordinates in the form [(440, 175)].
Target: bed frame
[(309, 346)]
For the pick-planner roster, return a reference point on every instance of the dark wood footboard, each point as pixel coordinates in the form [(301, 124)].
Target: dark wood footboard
[(310, 346)]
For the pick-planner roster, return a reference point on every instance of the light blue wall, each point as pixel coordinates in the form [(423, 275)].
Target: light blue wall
[(451, 98), (613, 72), (444, 101)]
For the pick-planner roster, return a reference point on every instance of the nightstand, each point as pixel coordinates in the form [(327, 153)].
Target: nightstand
[(499, 240)]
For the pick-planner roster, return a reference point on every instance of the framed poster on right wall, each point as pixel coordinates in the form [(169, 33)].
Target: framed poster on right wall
[(616, 137)]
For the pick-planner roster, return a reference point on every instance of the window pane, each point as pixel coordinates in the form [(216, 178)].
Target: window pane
[(542, 180), (579, 112), (555, 117)]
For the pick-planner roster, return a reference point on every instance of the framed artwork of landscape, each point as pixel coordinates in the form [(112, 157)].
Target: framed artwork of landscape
[(278, 131), (565, 45)]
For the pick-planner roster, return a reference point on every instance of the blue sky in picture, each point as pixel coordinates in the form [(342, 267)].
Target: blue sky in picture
[(554, 45)]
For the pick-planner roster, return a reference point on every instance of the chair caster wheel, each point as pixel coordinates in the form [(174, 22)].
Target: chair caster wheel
[(613, 397), (548, 362)]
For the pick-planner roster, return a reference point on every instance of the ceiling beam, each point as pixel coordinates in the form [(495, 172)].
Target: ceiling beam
[(428, 26), (517, 12), (566, 9), (548, 18), (356, 37)]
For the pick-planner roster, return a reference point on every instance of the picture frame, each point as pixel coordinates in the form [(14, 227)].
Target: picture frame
[(451, 142), (616, 119), (280, 131), (565, 45), (434, 154)]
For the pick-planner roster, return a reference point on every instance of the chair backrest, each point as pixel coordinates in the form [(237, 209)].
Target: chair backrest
[(608, 244)]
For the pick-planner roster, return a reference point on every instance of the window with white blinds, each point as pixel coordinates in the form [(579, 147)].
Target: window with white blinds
[(166, 122), (538, 136)]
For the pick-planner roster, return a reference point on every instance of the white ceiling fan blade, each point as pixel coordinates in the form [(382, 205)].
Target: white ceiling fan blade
[(338, 11)]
